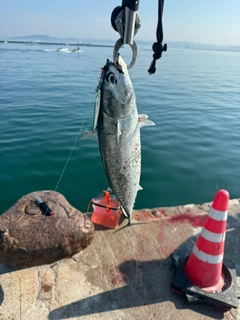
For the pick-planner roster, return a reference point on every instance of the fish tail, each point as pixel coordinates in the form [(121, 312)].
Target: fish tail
[(130, 225), (130, 220)]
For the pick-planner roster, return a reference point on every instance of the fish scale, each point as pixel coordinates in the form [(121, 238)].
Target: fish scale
[(117, 126)]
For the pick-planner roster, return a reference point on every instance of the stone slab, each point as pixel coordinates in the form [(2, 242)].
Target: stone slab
[(123, 275)]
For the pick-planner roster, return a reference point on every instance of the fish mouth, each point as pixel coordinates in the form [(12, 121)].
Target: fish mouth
[(117, 65)]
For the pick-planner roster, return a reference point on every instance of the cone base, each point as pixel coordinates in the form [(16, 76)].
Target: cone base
[(180, 283), (206, 276), (216, 288)]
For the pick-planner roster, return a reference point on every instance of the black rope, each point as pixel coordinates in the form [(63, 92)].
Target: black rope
[(158, 47)]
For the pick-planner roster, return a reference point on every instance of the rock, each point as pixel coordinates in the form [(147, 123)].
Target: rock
[(30, 238)]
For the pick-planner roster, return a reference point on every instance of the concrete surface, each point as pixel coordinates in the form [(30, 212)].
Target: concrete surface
[(123, 275)]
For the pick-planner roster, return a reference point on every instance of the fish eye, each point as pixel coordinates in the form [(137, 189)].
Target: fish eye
[(111, 78)]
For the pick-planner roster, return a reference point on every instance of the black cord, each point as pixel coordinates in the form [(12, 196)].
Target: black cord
[(159, 32), (158, 47)]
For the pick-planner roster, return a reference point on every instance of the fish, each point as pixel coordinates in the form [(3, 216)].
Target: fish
[(116, 127)]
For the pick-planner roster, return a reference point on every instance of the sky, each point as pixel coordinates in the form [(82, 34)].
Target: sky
[(205, 21)]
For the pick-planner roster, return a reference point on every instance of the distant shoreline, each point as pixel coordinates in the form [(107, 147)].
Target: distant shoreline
[(173, 45), (57, 43)]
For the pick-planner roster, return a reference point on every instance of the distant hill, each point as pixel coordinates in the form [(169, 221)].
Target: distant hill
[(190, 46), (199, 46), (46, 38), (43, 38), (147, 45)]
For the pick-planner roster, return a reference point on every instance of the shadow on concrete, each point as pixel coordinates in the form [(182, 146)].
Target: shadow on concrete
[(3, 270), (8, 269), (147, 283), (1, 295)]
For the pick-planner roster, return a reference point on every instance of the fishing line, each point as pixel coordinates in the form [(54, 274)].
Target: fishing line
[(60, 178), (20, 298), (57, 185), (64, 168)]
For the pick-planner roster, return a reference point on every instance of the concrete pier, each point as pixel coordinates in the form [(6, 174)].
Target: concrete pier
[(57, 43), (123, 275)]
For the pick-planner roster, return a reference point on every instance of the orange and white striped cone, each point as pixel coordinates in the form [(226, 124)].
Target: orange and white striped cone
[(204, 265)]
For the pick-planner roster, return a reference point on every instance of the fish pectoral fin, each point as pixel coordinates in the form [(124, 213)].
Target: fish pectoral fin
[(97, 108), (109, 189), (89, 135), (140, 188), (144, 121)]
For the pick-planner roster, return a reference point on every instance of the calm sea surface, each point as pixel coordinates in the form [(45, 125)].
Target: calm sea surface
[(47, 100)]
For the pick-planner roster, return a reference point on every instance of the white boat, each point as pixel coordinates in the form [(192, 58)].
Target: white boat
[(62, 49)]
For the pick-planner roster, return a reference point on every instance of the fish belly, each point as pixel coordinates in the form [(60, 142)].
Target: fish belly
[(120, 148)]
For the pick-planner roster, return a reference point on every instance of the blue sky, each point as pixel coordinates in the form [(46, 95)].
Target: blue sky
[(205, 21)]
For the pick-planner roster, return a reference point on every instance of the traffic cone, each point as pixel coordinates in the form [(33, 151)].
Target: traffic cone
[(204, 265)]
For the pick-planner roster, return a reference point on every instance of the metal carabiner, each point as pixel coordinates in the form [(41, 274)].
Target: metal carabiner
[(126, 22), (118, 46)]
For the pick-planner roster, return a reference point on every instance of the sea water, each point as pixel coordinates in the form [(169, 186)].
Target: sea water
[(47, 101)]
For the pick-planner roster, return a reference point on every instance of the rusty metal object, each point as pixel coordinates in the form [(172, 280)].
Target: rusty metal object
[(29, 238)]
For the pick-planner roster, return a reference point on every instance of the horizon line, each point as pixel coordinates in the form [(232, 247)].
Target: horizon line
[(109, 39)]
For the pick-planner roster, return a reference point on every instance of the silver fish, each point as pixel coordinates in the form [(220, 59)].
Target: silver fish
[(116, 126)]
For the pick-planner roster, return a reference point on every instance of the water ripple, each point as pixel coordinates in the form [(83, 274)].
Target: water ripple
[(47, 99)]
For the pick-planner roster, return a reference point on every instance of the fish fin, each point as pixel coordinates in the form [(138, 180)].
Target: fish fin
[(109, 190), (140, 188), (144, 121), (97, 108), (89, 135)]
